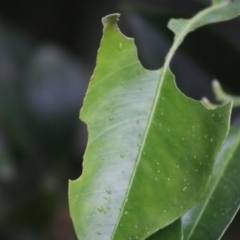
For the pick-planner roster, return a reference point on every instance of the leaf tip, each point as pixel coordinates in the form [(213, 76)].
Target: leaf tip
[(110, 19)]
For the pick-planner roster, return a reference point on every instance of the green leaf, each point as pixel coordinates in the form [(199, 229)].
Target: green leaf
[(171, 232), (212, 215), (216, 13), (150, 150)]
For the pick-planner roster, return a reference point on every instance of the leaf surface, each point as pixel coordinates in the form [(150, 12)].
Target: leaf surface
[(213, 214), (171, 232), (150, 150)]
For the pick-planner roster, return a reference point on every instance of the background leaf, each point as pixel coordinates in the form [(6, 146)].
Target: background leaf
[(213, 214), (171, 232)]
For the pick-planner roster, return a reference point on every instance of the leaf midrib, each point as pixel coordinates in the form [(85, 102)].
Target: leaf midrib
[(177, 41)]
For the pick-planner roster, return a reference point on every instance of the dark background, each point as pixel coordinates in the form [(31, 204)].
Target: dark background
[(47, 54)]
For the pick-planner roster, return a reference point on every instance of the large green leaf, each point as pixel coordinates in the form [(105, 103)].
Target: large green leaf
[(212, 215), (150, 150)]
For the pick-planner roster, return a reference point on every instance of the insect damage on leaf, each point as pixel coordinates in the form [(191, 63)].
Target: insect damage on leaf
[(151, 149), (111, 19)]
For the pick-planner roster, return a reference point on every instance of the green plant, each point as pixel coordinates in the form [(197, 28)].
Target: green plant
[(151, 150)]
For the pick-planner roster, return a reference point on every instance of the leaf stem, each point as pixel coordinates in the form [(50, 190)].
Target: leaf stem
[(188, 28)]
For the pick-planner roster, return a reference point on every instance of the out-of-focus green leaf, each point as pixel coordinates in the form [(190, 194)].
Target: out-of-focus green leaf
[(151, 149), (15, 49), (212, 215), (224, 97), (171, 232), (7, 168), (219, 1)]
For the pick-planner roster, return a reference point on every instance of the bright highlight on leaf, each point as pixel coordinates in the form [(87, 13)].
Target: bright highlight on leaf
[(151, 149)]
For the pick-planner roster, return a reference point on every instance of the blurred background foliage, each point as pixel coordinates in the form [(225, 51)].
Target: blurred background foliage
[(47, 54)]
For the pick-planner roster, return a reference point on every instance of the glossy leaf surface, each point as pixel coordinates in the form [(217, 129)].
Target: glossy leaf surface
[(151, 149), (210, 217)]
